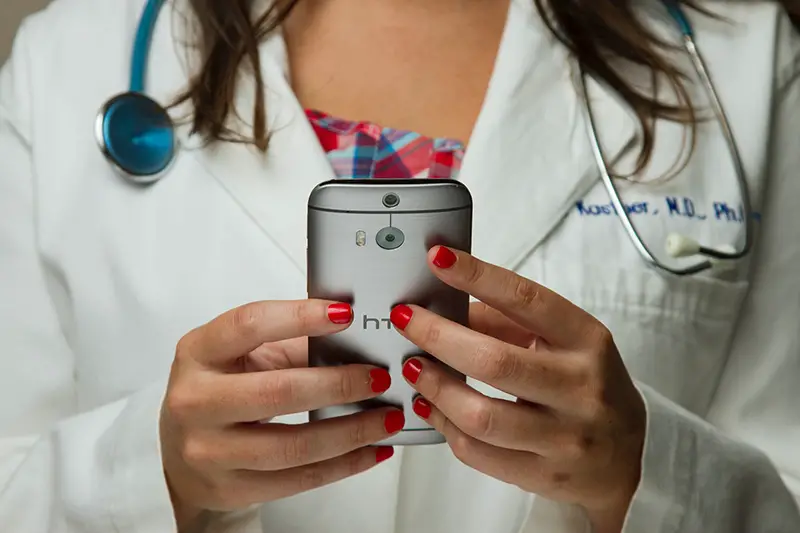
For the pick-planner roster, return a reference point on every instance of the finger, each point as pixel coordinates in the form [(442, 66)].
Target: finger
[(259, 487), (531, 305), (491, 420), (490, 321), (273, 447), (539, 377), (234, 398), (512, 466), (242, 330), (291, 353)]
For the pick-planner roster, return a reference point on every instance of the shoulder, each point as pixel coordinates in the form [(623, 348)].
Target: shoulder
[(71, 44), (761, 24), (787, 50), (72, 30), (70, 57)]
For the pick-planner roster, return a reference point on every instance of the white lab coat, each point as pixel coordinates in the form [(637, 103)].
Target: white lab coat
[(98, 281)]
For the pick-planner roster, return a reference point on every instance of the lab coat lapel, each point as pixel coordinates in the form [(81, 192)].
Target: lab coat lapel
[(273, 189), (529, 158), (528, 161)]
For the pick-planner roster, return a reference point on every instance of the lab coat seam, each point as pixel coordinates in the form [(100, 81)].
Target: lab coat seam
[(111, 503), (665, 506), (653, 311), (247, 212), (22, 47), (5, 114), (789, 70), (49, 276)]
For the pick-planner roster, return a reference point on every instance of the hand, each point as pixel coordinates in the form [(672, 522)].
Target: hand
[(575, 433), (250, 365)]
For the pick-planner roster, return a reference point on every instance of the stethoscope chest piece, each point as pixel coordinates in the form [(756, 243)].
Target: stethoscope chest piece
[(137, 135)]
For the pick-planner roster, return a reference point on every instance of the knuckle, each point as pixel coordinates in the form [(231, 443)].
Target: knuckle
[(480, 419), (245, 320), (461, 445), (576, 445), (593, 391), (344, 388), (276, 391), (584, 372), (182, 404), (197, 453), (495, 365), (183, 349), (301, 314), (526, 294), (602, 341), (433, 387), (296, 449), (557, 479), (431, 334), (358, 435), (595, 405), (354, 464), (311, 478), (475, 272)]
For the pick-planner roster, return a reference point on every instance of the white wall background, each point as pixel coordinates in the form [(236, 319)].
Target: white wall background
[(11, 13)]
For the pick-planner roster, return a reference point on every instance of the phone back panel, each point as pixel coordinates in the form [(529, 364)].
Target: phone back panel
[(346, 263)]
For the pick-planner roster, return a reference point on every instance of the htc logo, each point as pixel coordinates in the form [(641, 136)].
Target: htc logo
[(376, 323)]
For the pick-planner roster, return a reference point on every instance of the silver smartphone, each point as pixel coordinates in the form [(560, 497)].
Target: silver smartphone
[(367, 245)]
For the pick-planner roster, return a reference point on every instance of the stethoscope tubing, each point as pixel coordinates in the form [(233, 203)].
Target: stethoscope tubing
[(141, 51), (714, 255)]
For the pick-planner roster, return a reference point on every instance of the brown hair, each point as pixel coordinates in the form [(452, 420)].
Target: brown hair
[(599, 33)]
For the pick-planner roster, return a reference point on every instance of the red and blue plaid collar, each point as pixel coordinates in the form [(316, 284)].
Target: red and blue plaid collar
[(365, 150)]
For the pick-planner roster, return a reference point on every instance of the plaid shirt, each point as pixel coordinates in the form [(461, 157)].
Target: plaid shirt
[(365, 150)]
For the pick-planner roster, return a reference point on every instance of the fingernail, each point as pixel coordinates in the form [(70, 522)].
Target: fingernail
[(444, 258), (380, 380), (394, 421), (383, 453), (401, 316), (340, 313), (422, 407), (412, 369)]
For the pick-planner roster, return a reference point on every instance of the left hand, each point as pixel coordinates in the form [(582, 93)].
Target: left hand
[(576, 432)]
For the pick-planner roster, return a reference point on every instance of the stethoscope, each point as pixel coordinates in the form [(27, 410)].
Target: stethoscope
[(134, 132), (678, 245), (137, 136)]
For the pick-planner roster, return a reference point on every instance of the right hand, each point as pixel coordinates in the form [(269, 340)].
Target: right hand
[(244, 368)]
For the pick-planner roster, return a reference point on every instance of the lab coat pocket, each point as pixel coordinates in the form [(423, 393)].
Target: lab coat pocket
[(672, 332)]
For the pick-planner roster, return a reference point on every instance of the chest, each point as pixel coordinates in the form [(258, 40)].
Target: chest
[(402, 65), (135, 269)]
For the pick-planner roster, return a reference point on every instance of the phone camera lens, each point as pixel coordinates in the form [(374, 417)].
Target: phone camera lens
[(390, 238), (391, 200)]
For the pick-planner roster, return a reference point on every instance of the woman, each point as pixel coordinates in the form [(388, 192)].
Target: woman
[(645, 402)]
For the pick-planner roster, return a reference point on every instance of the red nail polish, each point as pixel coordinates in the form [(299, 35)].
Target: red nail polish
[(444, 258), (422, 407), (394, 421), (340, 313), (383, 453), (380, 380), (401, 316), (412, 369)]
